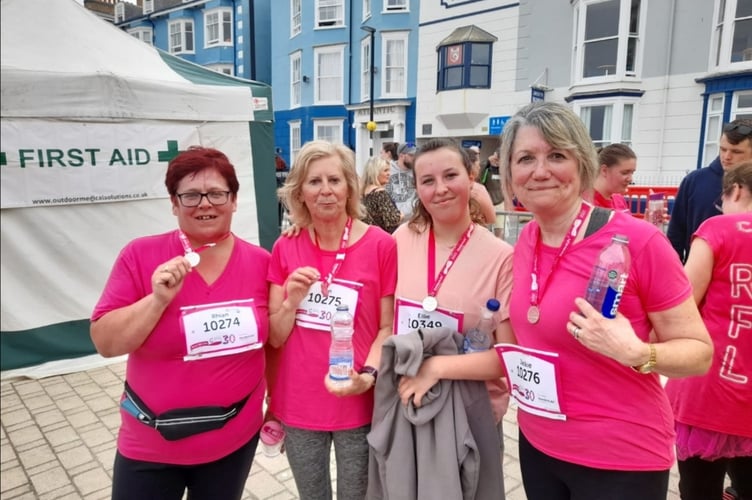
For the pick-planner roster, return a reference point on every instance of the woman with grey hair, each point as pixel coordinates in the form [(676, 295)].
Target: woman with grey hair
[(594, 416), (310, 274)]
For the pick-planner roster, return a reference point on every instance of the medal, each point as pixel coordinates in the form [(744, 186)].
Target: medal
[(533, 314), (430, 304), (193, 258)]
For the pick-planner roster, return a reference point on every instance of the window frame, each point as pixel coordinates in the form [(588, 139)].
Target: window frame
[(183, 38), (365, 69), (338, 21), (722, 44), (296, 17), (148, 6), (336, 123), (366, 7), (144, 34), (220, 68), (386, 70), (222, 25), (317, 90), (624, 38), (617, 105), (296, 140), (466, 65), (399, 6), (296, 81)]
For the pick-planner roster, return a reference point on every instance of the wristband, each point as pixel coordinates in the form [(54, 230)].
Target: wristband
[(369, 370)]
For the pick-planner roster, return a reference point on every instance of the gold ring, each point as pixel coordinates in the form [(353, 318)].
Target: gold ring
[(576, 332)]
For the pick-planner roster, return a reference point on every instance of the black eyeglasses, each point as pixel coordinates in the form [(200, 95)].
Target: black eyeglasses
[(736, 127), (194, 199)]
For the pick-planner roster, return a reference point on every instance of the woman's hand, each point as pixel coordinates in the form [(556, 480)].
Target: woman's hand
[(416, 387), (614, 338), (292, 231), (359, 383), (167, 279), (298, 283)]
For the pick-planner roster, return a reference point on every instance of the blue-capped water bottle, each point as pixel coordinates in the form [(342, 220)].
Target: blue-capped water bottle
[(609, 277), (341, 349), (479, 339)]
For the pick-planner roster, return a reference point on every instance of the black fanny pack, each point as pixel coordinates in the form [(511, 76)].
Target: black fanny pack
[(181, 422)]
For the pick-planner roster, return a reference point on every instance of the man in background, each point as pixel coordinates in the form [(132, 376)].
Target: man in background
[(401, 183), (698, 197)]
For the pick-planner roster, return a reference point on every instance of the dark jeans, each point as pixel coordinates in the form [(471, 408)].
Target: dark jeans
[(546, 478), (223, 478), (703, 480)]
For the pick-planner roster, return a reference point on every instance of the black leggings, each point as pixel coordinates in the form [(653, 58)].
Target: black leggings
[(547, 478), (223, 478), (703, 480)]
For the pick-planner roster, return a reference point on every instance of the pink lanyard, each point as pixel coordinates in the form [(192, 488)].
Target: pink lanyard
[(434, 282), (533, 313), (192, 253), (339, 259)]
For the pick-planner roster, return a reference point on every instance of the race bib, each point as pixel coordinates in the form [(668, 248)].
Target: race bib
[(409, 315), (219, 329), (316, 310), (533, 377)]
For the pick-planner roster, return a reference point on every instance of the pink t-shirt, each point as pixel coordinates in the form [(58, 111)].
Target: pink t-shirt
[(299, 397), (482, 271), (616, 418), (156, 370), (617, 201), (727, 312)]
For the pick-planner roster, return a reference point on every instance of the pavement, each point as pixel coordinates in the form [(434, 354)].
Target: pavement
[(58, 442)]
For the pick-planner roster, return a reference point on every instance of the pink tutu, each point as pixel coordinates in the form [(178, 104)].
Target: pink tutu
[(709, 445)]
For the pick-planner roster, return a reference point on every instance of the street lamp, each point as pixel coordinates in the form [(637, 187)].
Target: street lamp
[(371, 125)]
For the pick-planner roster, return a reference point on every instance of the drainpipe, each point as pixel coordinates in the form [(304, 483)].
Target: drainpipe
[(666, 78)]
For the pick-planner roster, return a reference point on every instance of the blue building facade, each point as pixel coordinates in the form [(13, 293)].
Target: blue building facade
[(321, 52), (229, 36)]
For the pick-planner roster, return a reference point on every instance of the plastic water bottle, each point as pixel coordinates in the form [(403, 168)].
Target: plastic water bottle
[(341, 349), (654, 212), (478, 339), (609, 277)]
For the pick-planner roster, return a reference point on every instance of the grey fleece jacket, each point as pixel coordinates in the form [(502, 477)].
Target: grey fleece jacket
[(448, 447)]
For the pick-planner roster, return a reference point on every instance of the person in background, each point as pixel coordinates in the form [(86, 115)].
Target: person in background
[(335, 259), (157, 307), (389, 152), (713, 432), (479, 193), (617, 166), (491, 180), (604, 429), (401, 185), (380, 208), (442, 231), (698, 192)]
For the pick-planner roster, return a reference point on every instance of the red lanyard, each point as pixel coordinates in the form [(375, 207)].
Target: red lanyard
[(339, 259), (434, 282), (192, 253), (536, 290)]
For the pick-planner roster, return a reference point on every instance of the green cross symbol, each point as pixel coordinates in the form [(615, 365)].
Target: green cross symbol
[(172, 152)]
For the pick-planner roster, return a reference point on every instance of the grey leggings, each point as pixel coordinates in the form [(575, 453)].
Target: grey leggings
[(309, 454)]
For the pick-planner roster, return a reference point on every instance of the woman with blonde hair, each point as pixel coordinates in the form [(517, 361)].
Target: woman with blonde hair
[(310, 274), (380, 208)]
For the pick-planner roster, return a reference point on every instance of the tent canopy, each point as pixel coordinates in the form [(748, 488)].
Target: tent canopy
[(90, 117)]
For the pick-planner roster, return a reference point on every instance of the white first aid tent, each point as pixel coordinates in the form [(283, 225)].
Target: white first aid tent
[(89, 118)]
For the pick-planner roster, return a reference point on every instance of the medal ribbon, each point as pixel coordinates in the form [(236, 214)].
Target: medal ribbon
[(434, 282), (536, 291), (187, 244), (339, 259)]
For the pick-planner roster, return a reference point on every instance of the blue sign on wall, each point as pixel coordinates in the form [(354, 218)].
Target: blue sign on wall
[(537, 94), (496, 124)]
